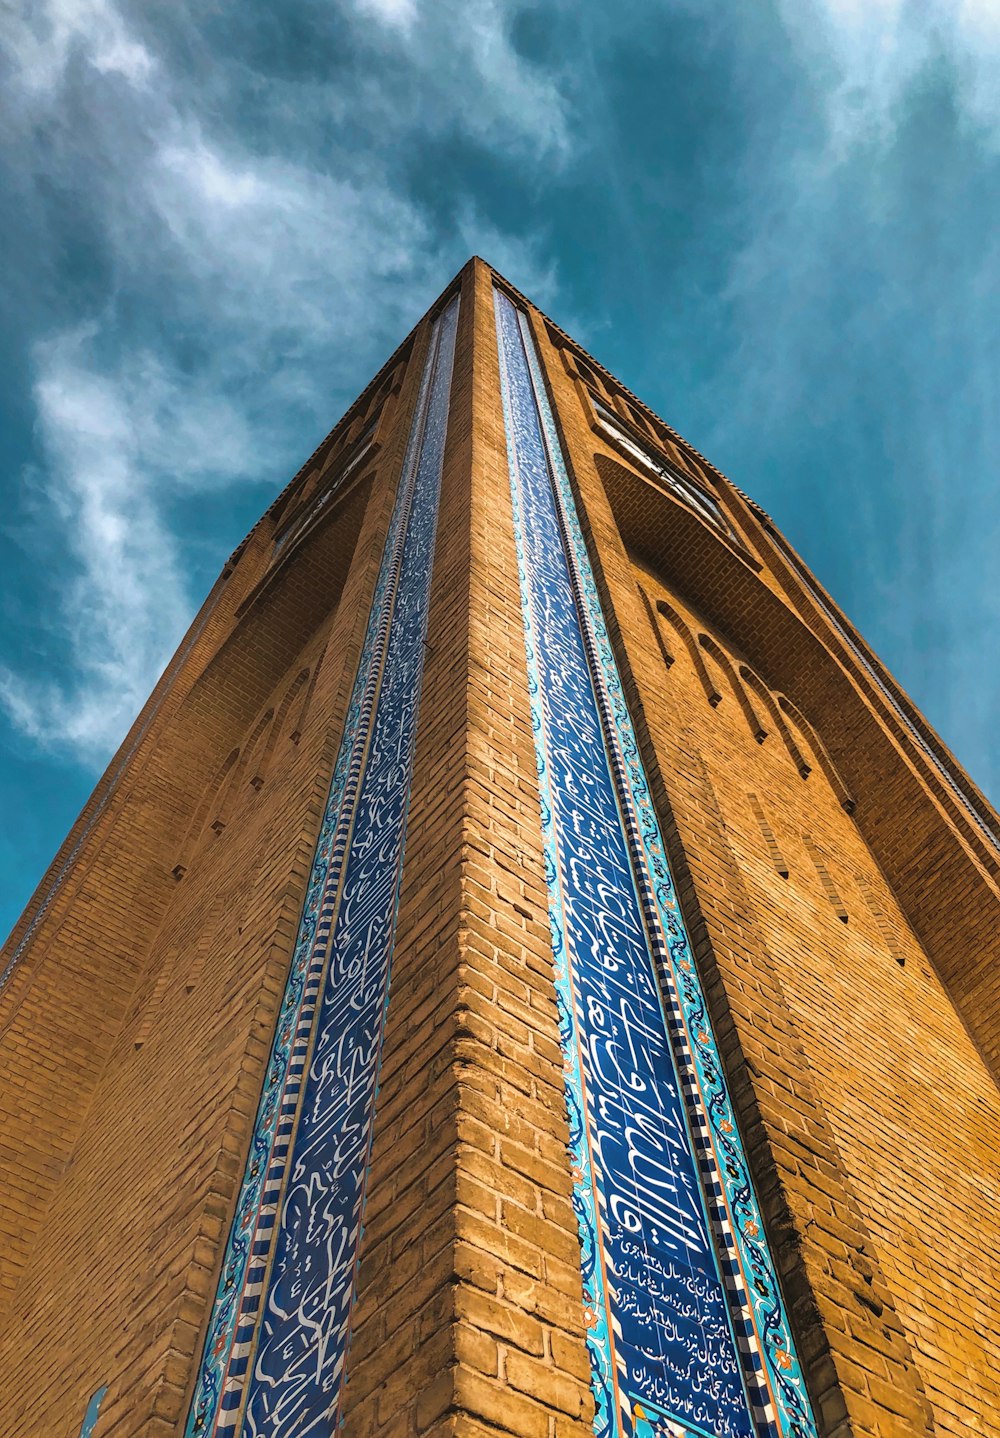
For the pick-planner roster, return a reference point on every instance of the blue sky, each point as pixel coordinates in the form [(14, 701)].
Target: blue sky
[(778, 222)]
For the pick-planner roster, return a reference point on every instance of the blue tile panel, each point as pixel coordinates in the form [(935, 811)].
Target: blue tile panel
[(686, 1328), (93, 1412), (277, 1340)]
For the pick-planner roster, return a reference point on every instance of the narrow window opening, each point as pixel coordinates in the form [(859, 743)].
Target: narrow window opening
[(742, 698), (767, 834), (829, 888), (819, 752), (651, 613), (886, 927), (712, 693), (767, 699)]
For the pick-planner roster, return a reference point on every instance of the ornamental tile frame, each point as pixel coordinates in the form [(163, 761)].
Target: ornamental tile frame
[(687, 1331), (273, 1359)]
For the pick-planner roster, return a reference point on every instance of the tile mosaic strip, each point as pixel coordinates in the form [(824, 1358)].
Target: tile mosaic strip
[(687, 1331), (277, 1340)]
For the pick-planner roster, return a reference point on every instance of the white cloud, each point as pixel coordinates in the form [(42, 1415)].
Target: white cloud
[(280, 247), (868, 53), (252, 291), (401, 13), (828, 191), (285, 267), (125, 606), (41, 39), (461, 72)]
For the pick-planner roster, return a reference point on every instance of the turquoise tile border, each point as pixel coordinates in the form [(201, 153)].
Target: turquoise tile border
[(93, 1413)]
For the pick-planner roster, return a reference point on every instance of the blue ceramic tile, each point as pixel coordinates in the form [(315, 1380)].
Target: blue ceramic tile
[(277, 1341), (92, 1413)]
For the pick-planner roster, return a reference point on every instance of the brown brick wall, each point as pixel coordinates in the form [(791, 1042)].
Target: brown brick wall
[(943, 872), (868, 1109)]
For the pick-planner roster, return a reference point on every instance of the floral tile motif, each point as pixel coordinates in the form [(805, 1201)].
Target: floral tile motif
[(274, 1355), (686, 1328)]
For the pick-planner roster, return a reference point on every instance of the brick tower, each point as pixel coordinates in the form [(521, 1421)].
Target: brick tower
[(528, 971)]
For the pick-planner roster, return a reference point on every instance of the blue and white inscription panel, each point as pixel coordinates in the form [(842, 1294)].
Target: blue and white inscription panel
[(686, 1328), (273, 1363)]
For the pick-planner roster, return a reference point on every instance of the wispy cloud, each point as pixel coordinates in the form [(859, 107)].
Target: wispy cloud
[(866, 313), (262, 278), (457, 69), (400, 13), (125, 602), (867, 54), (43, 39)]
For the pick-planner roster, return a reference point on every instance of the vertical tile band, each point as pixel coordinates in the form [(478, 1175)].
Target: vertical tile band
[(687, 1331), (273, 1360)]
